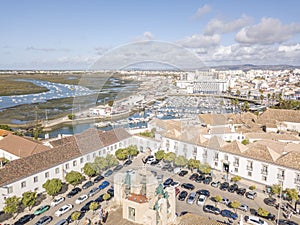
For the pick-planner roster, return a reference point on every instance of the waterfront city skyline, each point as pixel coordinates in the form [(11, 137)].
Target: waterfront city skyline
[(74, 34)]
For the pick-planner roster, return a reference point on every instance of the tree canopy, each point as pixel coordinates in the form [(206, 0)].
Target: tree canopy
[(29, 199), (180, 161), (275, 189), (111, 160), (170, 157), (94, 206), (262, 212), (235, 205), (12, 205), (205, 168), (75, 215), (236, 179), (193, 164), (160, 154), (292, 193), (53, 186), (217, 199), (124, 153), (74, 178), (100, 163), (89, 170)]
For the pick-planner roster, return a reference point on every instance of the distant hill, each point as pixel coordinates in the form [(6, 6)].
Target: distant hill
[(246, 67)]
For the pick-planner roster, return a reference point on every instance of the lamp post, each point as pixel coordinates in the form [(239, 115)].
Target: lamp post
[(279, 204)]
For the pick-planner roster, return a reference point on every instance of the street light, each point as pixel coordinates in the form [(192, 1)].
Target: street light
[(280, 198)]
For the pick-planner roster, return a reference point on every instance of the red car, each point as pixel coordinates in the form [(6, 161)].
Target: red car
[(177, 191)]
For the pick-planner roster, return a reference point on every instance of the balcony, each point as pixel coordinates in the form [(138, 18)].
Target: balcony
[(249, 168), (264, 172), (280, 176), (297, 180)]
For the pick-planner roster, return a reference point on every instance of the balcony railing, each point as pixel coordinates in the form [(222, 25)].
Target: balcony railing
[(280, 176), (250, 168), (264, 172)]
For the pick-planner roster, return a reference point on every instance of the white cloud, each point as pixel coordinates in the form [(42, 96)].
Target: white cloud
[(217, 26), (202, 11), (200, 41), (147, 36), (289, 48), (268, 31)]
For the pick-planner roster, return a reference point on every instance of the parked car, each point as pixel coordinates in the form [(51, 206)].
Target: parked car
[(270, 201), (286, 222), (200, 178), (149, 158), (127, 162), (229, 214), (73, 192), (57, 200), (155, 162), (166, 167), (224, 186), (207, 180), (99, 199), (194, 176), (175, 184), (98, 178), (211, 209), (251, 194), (255, 220), (63, 210), (24, 219), (81, 215), (86, 207), (111, 191), (241, 191), (203, 192), (182, 173), (232, 188), (270, 216), (168, 182), (41, 210), (177, 191), (177, 170), (192, 197), (182, 195), (88, 184), (215, 184), (188, 186), (243, 207), (103, 185), (93, 191), (225, 201), (108, 173), (81, 199), (201, 200), (44, 220), (117, 168), (62, 222)]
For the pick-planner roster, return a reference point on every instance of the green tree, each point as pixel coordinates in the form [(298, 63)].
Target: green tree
[(94, 206), (235, 205), (180, 161), (75, 216), (245, 142), (205, 168), (262, 212), (261, 97), (53, 186), (170, 157), (106, 196), (12, 205), (71, 116), (276, 189), (121, 154), (5, 127), (74, 178), (111, 160), (160, 154), (110, 103), (246, 106), (100, 163), (217, 199), (238, 92), (193, 164), (252, 187), (292, 193), (29, 199), (236, 179), (249, 94), (89, 170), (133, 150)]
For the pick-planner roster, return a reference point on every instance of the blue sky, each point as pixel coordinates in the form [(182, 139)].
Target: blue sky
[(61, 34)]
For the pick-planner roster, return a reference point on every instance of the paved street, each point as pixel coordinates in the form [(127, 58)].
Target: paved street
[(181, 205)]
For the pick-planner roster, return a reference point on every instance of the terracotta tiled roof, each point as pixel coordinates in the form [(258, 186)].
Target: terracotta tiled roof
[(20, 146), (4, 133), (282, 115), (21, 168), (137, 198), (271, 136), (290, 160), (214, 119)]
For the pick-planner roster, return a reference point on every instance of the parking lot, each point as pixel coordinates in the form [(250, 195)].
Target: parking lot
[(181, 206)]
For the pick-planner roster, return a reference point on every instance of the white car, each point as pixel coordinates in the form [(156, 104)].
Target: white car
[(201, 200), (255, 220), (63, 210), (57, 200), (225, 201), (81, 199), (243, 207)]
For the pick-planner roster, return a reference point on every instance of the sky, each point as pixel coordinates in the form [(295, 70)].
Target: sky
[(74, 34)]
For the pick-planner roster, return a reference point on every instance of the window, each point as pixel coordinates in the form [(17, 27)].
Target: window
[(67, 166), (167, 143), (35, 179), (10, 190), (204, 153), (249, 173), (111, 148), (216, 156), (116, 146), (94, 155), (250, 165), (46, 174), (226, 157), (216, 164), (56, 170), (195, 150), (99, 153), (236, 170), (297, 179), (104, 151), (264, 178), (23, 184), (280, 174), (81, 160), (120, 144), (88, 158), (131, 213), (264, 169), (74, 163), (236, 162), (176, 145)]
